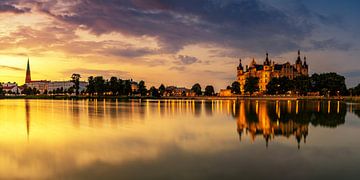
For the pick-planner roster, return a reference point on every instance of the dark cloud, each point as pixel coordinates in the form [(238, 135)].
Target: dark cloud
[(96, 72), (247, 24), (11, 68), (330, 44), (130, 52), (12, 9), (187, 60)]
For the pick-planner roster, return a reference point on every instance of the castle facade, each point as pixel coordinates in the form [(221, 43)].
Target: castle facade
[(269, 69)]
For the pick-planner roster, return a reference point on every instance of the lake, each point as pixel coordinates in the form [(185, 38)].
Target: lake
[(179, 139)]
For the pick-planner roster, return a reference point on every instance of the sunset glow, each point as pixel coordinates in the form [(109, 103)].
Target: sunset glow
[(172, 42)]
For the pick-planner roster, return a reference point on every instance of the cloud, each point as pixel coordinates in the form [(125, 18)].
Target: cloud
[(330, 44), (6, 8), (178, 68), (187, 60), (11, 68), (96, 72), (247, 24)]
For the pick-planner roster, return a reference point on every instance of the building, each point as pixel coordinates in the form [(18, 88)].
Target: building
[(269, 69), (44, 85), (178, 91), (225, 92), (28, 73), (11, 88)]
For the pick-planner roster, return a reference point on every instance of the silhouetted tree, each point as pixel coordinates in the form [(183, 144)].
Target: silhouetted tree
[(127, 88), (120, 87), (235, 87), (99, 83), (280, 85), (302, 84), (329, 84), (355, 91), (75, 78), (91, 86), (196, 88), (114, 86), (162, 89), (251, 85), (142, 88), (154, 92), (209, 90)]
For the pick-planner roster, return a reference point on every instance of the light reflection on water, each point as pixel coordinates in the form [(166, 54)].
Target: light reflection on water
[(64, 139)]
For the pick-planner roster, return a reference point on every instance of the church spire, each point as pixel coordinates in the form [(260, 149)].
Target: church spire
[(28, 73)]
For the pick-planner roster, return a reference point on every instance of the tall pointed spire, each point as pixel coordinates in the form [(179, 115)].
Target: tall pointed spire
[(267, 62), (28, 73), (298, 60), (240, 67)]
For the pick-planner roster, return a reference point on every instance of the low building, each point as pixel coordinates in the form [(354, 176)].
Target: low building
[(11, 88), (41, 85), (225, 92), (134, 86), (178, 91)]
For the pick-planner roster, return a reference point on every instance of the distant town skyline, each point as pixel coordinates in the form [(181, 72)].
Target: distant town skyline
[(174, 42)]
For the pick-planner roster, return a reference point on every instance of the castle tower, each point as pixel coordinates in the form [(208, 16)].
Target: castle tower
[(298, 64), (28, 73), (267, 61), (240, 67)]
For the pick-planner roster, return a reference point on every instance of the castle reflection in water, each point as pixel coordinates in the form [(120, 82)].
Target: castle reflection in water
[(286, 118)]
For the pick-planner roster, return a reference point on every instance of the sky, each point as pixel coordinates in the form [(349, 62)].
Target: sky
[(175, 42)]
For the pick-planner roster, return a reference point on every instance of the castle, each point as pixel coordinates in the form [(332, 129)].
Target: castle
[(268, 70)]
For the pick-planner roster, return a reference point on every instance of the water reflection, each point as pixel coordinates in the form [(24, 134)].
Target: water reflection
[(45, 139), (286, 118)]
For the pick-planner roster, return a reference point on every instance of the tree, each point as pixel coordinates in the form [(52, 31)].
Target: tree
[(114, 86), (70, 91), (27, 91), (75, 78), (355, 91), (99, 83), (154, 92), (235, 87), (251, 85), (142, 88), (91, 86), (302, 85), (196, 88), (280, 85), (127, 88), (120, 87), (329, 84), (162, 89), (209, 90)]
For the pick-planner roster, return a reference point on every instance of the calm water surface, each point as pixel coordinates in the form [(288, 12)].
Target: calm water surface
[(169, 139)]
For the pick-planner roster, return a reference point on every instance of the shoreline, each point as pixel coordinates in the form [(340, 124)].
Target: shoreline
[(281, 97)]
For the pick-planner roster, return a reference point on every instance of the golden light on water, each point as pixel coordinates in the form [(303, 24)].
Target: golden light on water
[(73, 135)]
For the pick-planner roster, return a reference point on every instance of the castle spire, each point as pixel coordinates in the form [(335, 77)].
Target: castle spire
[(240, 67), (305, 64), (267, 62), (28, 73), (298, 60)]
